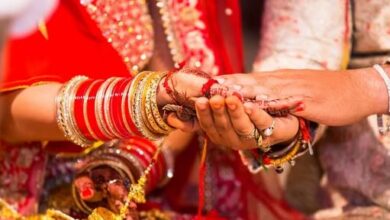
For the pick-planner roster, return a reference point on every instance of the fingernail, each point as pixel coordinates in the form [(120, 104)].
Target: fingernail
[(217, 106), (201, 104), (232, 107)]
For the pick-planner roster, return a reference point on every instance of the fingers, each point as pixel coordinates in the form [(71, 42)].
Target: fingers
[(285, 128), (240, 121), (222, 122), (260, 118), (205, 118)]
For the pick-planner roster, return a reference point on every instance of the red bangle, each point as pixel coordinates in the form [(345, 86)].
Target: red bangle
[(78, 108), (147, 146), (115, 106), (145, 159), (91, 111), (304, 127), (106, 103)]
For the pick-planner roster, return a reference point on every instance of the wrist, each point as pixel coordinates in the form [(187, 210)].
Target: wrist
[(163, 97), (370, 92)]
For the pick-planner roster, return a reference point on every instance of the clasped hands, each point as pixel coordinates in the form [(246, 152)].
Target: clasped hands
[(230, 115)]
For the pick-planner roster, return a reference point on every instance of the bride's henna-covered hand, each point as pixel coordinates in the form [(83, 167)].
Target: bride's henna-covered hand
[(177, 93), (179, 86), (228, 122), (327, 97)]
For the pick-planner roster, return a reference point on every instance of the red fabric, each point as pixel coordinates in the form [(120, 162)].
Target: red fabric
[(75, 46)]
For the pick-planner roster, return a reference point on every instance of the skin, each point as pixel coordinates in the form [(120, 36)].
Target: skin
[(22, 110), (226, 120), (328, 97)]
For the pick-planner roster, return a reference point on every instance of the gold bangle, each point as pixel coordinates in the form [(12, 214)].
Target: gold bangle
[(65, 116), (145, 89), (290, 155), (85, 112), (132, 105), (106, 108), (137, 109), (99, 109), (146, 103), (153, 104), (134, 87), (77, 135)]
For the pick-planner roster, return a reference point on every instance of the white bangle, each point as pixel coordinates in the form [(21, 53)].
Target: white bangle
[(379, 69), (381, 119)]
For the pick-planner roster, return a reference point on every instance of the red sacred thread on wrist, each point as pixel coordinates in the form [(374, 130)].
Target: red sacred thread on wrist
[(207, 86), (304, 127), (166, 84), (266, 159)]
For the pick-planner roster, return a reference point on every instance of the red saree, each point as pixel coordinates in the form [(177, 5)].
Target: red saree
[(206, 34)]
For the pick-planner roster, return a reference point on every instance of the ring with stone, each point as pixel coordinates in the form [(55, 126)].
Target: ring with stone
[(270, 130)]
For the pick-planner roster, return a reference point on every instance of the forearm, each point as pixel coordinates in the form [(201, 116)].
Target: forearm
[(30, 114), (86, 110)]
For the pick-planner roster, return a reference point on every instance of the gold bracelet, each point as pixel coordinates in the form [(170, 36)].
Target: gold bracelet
[(65, 116), (106, 105), (133, 91), (77, 135), (137, 110), (99, 109), (290, 155), (145, 89), (153, 104), (146, 103)]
